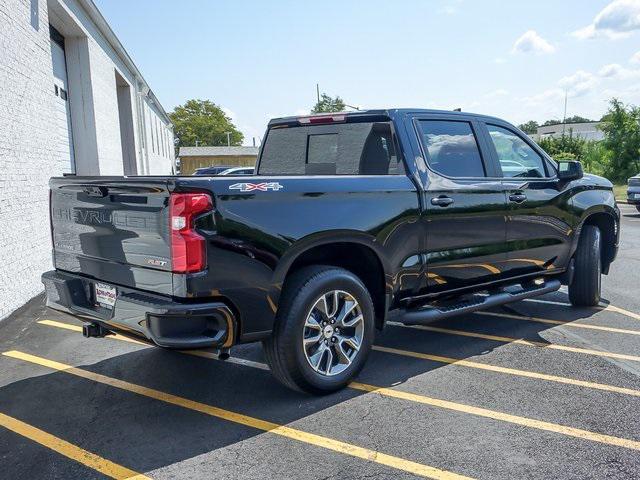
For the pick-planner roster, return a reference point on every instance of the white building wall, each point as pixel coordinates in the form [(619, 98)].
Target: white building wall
[(104, 61), (159, 134), (30, 149), (29, 153)]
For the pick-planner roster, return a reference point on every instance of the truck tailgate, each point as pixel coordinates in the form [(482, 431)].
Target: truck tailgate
[(114, 229)]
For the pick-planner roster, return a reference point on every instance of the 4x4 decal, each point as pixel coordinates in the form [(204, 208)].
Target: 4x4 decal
[(261, 187)]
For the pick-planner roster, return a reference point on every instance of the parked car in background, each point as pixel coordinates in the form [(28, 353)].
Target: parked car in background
[(238, 171), (633, 191), (214, 170)]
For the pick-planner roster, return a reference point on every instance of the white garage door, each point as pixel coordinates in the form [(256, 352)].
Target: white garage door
[(61, 123)]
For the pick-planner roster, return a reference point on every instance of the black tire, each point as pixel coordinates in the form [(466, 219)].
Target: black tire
[(284, 350), (584, 290)]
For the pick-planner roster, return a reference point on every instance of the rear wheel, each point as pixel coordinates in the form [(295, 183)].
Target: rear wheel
[(585, 288), (324, 330)]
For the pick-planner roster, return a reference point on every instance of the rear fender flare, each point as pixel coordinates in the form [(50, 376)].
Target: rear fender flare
[(319, 239)]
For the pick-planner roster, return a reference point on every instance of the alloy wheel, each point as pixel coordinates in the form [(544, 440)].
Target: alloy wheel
[(333, 332)]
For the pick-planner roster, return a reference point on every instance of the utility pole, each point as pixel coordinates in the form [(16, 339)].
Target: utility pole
[(228, 138), (318, 91)]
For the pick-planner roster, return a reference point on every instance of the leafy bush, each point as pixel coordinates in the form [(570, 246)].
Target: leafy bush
[(621, 127), (617, 157), (595, 158), (565, 144), (564, 156)]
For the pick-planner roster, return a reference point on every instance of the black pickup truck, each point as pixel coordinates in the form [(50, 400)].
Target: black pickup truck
[(350, 218)]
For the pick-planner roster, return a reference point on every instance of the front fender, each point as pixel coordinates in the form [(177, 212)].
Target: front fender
[(592, 201)]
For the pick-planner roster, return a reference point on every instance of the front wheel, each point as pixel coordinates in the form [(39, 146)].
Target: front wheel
[(584, 290), (324, 330)]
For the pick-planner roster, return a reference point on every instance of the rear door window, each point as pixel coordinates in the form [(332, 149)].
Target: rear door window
[(452, 148), (516, 157), (363, 148)]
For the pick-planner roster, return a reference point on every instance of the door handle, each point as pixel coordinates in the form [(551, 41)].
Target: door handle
[(517, 197), (442, 201)]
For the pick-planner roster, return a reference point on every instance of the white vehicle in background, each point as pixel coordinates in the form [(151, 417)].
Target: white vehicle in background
[(237, 171)]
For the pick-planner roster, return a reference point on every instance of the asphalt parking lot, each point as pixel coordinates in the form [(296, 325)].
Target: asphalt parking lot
[(535, 390)]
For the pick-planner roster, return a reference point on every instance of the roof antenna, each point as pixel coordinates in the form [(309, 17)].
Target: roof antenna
[(457, 109)]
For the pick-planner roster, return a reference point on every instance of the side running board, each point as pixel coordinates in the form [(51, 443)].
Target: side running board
[(430, 314)]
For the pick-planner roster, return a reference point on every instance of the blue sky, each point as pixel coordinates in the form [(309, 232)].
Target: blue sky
[(262, 59)]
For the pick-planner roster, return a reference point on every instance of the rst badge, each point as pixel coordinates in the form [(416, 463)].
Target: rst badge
[(260, 187)]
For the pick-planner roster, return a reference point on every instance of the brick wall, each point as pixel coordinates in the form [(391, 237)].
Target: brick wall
[(28, 153), (31, 149)]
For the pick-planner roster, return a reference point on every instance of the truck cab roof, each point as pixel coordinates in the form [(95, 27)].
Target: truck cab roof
[(372, 114)]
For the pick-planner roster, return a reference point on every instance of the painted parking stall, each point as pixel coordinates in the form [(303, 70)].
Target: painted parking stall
[(526, 391)]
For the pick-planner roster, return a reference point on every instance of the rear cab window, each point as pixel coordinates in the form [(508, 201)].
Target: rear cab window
[(359, 148), (452, 148)]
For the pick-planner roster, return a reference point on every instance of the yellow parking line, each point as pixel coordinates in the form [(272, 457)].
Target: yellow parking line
[(520, 341), (266, 426), (78, 328), (407, 353), (565, 323), (613, 308), (326, 442), (195, 353), (608, 308), (528, 422), (509, 371), (504, 417), (69, 450)]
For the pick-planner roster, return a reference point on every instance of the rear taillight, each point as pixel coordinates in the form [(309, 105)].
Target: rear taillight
[(188, 253)]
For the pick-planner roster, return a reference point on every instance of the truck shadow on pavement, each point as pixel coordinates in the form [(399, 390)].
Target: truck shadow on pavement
[(146, 434)]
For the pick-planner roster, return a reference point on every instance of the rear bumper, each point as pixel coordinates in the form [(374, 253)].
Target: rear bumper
[(160, 319)]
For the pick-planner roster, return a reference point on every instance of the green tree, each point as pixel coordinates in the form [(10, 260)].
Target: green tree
[(577, 119), (621, 127), (204, 122), (529, 127), (595, 158), (563, 145), (326, 104)]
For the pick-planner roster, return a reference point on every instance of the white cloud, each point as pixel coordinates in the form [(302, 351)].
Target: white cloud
[(588, 93), (499, 60), (618, 19), (450, 8), (548, 96), (531, 42), (618, 72), (578, 84), (500, 92), (230, 113), (635, 59)]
